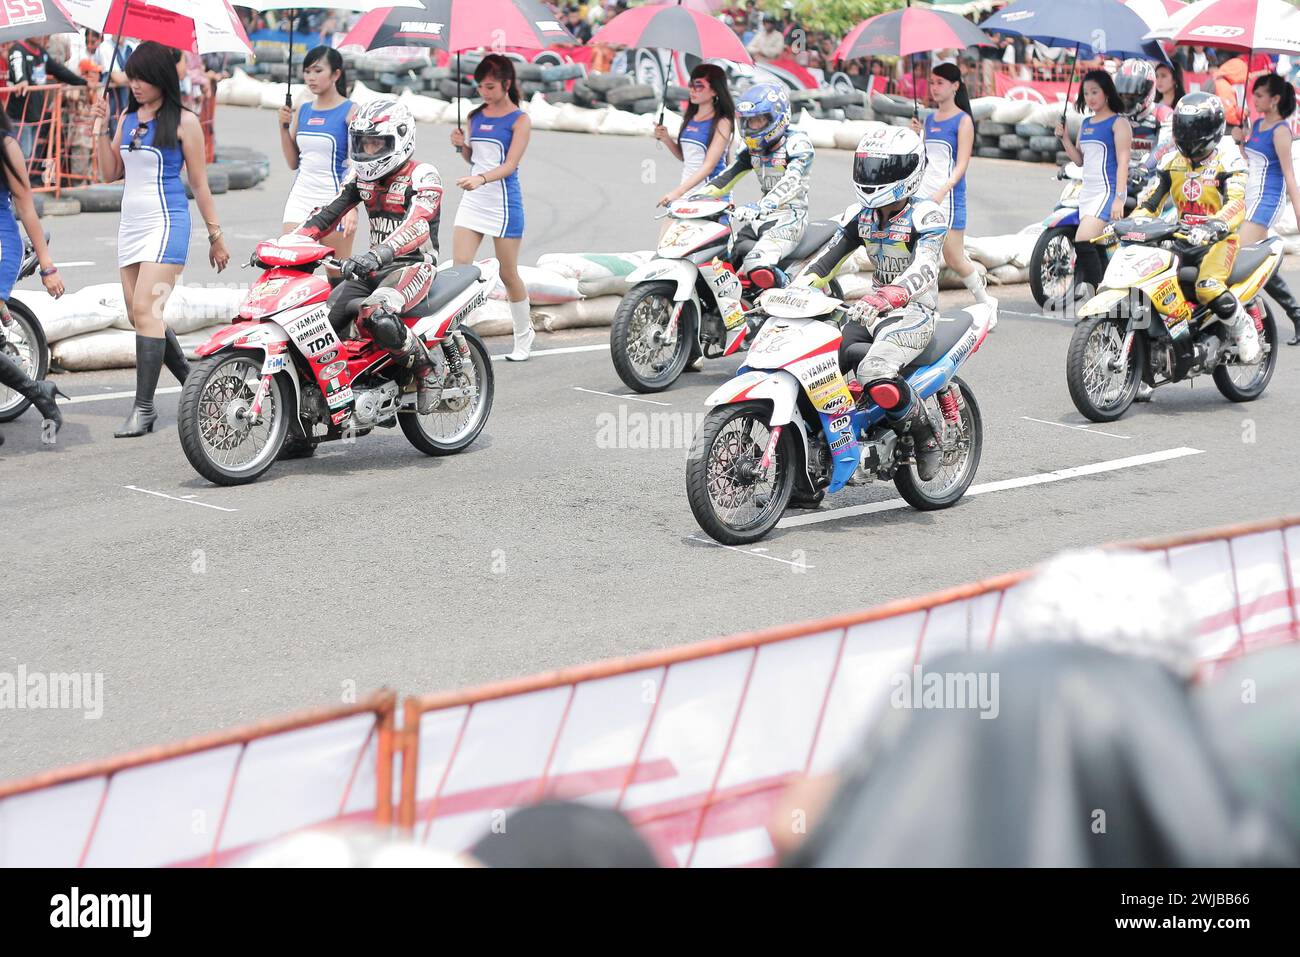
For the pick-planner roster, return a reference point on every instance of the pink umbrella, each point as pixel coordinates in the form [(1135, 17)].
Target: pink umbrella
[(1267, 26)]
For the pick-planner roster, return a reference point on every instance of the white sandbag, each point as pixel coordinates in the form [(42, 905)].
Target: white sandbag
[(106, 349), (623, 123), (491, 319), (993, 251), (273, 95), (948, 279), (1008, 275), (241, 90), (545, 286), (577, 315), (821, 132), (194, 307), (425, 109), (848, 133), (858, 262), (362, 94), (541, 114), (607, 286), (1027, 239), (571, 118), (1045, 114), (73, 314), (466, 107), (982, 107), (588, 266), (1012, 111)]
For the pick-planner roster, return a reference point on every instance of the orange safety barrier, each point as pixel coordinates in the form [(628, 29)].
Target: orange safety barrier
[(43, 134), (206, 799), (696, 743)]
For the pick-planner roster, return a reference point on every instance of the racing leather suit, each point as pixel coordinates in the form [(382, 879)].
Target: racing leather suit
[(1211, 189), (404, 209), (783, 175)]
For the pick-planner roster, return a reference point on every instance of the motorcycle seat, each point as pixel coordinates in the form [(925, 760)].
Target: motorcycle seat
[(815, 236), (447, 285), (1249, 258)]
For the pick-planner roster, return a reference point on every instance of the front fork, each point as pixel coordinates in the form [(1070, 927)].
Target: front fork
[(254, 413)]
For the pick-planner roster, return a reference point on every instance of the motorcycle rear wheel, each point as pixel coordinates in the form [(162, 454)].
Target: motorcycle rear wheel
[(446, 431), (722, 466), (959, 463), (221, 448), (1254, 386)]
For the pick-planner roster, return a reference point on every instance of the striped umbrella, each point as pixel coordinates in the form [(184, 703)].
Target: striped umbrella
[(1267, 26)]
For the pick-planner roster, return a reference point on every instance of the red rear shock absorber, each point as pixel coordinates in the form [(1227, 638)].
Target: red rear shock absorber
[(948, 404), (1256, 312)]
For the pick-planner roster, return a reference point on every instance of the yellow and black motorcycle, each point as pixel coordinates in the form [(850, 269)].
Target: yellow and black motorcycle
[(1144, 323)]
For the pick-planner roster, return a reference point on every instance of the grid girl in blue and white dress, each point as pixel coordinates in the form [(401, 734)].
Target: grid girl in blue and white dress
[(704, 142), (156, 139), (314, 140), (1105, 141), (493, 201)]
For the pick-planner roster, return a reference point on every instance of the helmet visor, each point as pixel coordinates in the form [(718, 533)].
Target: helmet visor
[(370, 148), (872, 172)]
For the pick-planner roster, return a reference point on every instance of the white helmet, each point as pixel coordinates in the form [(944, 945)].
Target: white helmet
[(888, 166), (386, 119)]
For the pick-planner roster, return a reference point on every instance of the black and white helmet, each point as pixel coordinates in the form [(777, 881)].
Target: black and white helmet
[(386, 119), (1136, 85), (888, 165)]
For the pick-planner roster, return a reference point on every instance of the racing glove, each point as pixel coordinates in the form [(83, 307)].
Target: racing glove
[(876, 303), (746, 214), (367, 263), (1208, 233)]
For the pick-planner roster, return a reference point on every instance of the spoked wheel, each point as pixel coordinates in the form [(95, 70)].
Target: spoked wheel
[(1240, 382), (24, 343), (1051, 266), (733, 497), (645, 356), (220, 441), (466, 404), (962, 444), (1101, 386)]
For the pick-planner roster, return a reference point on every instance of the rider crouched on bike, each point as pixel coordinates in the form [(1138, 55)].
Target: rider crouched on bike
[(904, 237), (782, 160), (1207, 184), (403, 200)]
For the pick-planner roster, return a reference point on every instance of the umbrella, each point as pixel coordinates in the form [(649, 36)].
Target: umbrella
[(458, 25), (1267, 26), (293, 6), (210, 26), (907, 31), (1097, 26), (1154, 12), (42, 17), (676, 28)]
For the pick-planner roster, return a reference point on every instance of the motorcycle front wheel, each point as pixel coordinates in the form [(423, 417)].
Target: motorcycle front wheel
[(1101, 389), (220, 442), (643, 357), (735, 501)]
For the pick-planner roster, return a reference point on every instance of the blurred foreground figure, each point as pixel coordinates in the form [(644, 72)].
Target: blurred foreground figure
[(1092, 760), (564, 834), (348, 848)]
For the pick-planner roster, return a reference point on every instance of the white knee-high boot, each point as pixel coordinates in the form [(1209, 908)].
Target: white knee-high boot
[(975, 283), (520, 316)]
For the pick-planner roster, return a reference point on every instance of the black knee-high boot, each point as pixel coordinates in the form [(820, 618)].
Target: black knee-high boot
[(1281, 293), (1088, 265), (175, 359), (40, 393), (149, 353)]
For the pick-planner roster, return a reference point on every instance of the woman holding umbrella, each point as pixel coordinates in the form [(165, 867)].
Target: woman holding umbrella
[(704, 142), (949, 134), (1105, 140)]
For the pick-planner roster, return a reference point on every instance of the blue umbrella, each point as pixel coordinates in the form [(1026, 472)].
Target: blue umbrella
[(1104, 27)]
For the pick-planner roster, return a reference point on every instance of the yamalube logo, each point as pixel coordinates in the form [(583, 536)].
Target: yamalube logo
[(102, 910)]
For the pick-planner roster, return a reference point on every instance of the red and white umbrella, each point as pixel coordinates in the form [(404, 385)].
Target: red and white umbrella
[(36, 18), (907, 31), (1264, 26), (209, 26), (459, 25), (674, 27)]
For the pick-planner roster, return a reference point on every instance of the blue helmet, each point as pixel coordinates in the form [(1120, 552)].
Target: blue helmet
[(768, 100)]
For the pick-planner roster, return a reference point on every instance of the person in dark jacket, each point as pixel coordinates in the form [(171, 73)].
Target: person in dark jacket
[(30, 65)]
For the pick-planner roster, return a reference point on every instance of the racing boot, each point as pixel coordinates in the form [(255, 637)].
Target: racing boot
[(1242, 334), (174, 358), (428, 381), (521, 318), (40, 393), (916, 425), (1281, 293)]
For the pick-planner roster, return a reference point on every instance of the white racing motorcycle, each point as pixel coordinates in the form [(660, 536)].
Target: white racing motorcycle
[(789, 420), (691, 297)]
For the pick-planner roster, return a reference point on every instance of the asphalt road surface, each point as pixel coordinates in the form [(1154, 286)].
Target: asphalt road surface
[(546, 543)]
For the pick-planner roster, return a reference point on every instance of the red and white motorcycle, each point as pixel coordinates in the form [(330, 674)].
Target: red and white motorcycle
[(280, 380)]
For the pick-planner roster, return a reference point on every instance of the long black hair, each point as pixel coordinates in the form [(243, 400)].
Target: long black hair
[(335, 60), (1274, 85), (724, 107), (155, 64), (502, 69), (1176, 71), (952, 73), (1103, 80)]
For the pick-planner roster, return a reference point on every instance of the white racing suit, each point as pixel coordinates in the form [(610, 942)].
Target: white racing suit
[(898, 313), (783, 175)]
